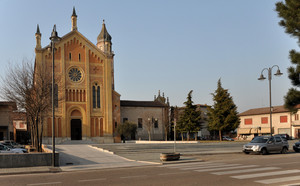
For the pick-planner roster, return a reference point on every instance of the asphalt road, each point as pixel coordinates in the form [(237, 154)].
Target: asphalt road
[(222, 169), (151, 152)]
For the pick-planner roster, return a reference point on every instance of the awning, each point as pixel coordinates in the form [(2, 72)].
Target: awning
[(254, 131), (244, 130), (265, 130)]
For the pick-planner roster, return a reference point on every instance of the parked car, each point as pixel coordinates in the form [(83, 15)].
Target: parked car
[(11, 144), (266, 144), (5, 149), (226, 138), (285, 136), (296, 146)]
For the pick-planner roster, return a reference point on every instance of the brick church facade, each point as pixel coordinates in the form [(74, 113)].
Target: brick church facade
[(89, 106)]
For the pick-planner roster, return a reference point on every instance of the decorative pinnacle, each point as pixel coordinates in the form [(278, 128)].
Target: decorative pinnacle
[(38, 29), (74, 12)]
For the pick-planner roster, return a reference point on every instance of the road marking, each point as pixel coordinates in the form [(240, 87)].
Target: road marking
[(224, 168), (163, 174), (245, 171), (293, 184), (126, 177), (210, 166), (49, 183), (278, 180), (265, 174), (189, 164), (202, 165), (285, 163), (100, 179)]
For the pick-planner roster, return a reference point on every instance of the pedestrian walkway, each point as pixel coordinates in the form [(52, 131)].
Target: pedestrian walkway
[(84, 156), (255, 173)]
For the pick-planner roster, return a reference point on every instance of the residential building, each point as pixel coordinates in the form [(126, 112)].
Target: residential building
[(21, 128), (6, 126), (89, 108), (257, 122)]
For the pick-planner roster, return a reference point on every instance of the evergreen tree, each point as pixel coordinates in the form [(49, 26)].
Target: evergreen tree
[(223, 115), (290, 14), (190, 120)]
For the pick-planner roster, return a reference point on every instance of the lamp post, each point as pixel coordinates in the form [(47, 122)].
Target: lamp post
[(278, 73), (54, 39), (175, 135), (149, 129)]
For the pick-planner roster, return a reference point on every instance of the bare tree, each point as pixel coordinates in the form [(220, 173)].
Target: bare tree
[(29, 87)]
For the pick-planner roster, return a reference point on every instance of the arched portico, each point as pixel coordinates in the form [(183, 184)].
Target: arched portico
[(76, 121)]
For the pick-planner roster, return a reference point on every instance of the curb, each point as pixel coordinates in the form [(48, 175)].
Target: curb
[(16, 172)]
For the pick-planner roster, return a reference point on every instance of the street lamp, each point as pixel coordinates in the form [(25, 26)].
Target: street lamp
[(175, 135), (54, 39), (278, 73)]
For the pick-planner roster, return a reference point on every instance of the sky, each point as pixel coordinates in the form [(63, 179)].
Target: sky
[(173, 45)]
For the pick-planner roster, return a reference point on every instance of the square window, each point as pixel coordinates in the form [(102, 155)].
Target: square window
[(283, 119), (156, 123), (264, 120), (296, 117), (248, 121), (140, 122)]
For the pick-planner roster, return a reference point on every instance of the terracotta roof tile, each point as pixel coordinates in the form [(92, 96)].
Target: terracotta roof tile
[(265, 110), (128, 103)]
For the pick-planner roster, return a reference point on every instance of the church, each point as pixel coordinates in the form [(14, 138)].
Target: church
[(89, 108)]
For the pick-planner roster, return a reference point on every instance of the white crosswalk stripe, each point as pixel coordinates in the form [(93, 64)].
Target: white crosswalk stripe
[(262, 174), (278, 180), (192, 164), (226, 168), (238, 171), (245, 170), (209, 166)]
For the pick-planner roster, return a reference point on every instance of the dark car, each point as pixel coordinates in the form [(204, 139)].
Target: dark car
[(13, 145), (296, 146)]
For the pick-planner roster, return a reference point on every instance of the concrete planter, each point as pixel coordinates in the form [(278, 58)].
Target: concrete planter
[(169, 156)]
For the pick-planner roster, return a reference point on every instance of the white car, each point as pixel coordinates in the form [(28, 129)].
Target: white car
[(5, 149)]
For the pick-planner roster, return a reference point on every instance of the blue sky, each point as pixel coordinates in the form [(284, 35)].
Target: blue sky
[(172, 46)]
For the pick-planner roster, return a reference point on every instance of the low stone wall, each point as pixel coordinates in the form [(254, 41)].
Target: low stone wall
[(27, 160)]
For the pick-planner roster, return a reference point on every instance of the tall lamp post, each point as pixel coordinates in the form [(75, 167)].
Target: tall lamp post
[(278, 73), (54, 39)]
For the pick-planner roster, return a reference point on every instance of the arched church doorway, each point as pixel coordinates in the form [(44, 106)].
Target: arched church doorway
[(76, 125)]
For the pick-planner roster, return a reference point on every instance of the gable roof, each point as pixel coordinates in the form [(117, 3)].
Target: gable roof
[(76, 32), (129, 103), (264, 110)]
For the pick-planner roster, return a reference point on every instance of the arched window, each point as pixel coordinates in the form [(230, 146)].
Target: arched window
[(79, 57), (96, 96)]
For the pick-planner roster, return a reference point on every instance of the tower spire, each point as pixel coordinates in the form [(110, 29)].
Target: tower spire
[(74, 12), (38, 37), (74, 20), (104, 39)]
